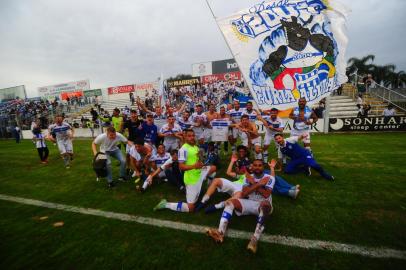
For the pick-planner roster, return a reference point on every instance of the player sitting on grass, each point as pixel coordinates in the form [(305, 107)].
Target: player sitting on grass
[(194, 175), (233, 188), (170, 170), (256, 199), (282, 187), (301, 160)]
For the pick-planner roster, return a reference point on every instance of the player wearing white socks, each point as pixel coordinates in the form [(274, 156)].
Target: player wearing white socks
[(303, 117), (232, 188), (273, 125), (194, 175), (63, 137), (257, 190), (172, 133)]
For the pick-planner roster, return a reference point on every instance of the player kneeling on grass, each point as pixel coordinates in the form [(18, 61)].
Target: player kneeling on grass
[(141, 159), (170, 170), (194, 175), (108, 144), (256, 199), (301, 160)]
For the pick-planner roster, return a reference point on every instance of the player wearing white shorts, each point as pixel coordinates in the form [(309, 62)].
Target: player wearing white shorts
[(249, 136), (63, 137), (199, 120), (195, 174), (210, 116), (172, 133), (303, 117), (235, 117), (232, 188), (257, 201), (273, 124)]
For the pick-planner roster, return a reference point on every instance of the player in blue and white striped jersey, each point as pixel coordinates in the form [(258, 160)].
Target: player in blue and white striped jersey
[(63, 137), (256, 199), (172, 133), (303, 118), (273, 125), (249, 110), (184, 121), (235, 117)]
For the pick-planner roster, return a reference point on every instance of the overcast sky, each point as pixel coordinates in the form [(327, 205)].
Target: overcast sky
[(113, 43)]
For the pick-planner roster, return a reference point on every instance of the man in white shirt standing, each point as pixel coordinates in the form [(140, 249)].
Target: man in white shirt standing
[(390, 111), (108, 145)]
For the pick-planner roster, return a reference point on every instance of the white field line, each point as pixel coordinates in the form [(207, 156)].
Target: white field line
[(273, 239)]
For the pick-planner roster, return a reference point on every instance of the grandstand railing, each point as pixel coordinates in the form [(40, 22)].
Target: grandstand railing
[(395, 98)]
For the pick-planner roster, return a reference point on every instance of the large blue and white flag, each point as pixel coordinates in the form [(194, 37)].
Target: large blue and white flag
[(287, 49)]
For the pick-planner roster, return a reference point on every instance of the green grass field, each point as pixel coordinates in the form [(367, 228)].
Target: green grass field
[(366, 206)]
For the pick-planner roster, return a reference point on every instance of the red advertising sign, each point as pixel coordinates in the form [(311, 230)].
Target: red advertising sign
[(120, 89), (230, 76), (66, 95), (146, 86)]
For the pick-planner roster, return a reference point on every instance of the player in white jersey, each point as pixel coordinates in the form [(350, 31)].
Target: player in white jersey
[(303, 117), (63, 137), (157, 160), (235, 117), (256, 191), (249, 136), (172, 133), (221, 120), (199, 121), (273, 125), (252, 114), (184, 121)]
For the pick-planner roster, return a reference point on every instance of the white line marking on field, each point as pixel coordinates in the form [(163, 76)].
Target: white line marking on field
[(273, 239)]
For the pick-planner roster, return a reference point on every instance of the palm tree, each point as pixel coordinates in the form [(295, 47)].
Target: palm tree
[(383, 74), (361, 64)]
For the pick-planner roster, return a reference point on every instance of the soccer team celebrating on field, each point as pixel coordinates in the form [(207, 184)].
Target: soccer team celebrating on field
[(185, 152)]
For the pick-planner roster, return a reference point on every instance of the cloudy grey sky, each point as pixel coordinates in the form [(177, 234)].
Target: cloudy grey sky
[(112, 43)]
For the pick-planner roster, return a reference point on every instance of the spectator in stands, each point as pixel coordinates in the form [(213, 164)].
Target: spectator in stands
[(359, 101), (389, 112), (363, 111)]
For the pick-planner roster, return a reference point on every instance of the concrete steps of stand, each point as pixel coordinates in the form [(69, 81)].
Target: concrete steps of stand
[(109, 106), (342, 106)]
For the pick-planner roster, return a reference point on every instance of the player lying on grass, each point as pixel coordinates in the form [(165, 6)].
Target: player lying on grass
[(233, 188), (194, 175), (170, 170), (256, 199), (301, 160)]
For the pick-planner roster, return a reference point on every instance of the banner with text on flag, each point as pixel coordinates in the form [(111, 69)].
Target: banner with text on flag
[(288, 49)]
